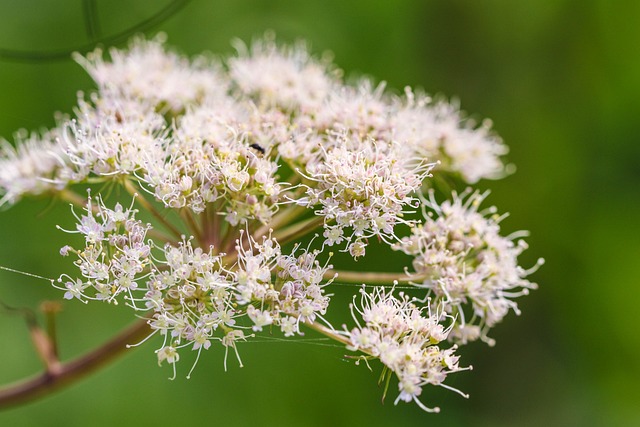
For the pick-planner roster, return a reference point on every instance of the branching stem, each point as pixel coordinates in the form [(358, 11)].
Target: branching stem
[(297, 230), (128, 185), (63, 374)]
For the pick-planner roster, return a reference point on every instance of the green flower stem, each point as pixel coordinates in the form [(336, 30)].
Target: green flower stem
[(131, 189), (50, 309), (284, 216), (228, 241), (209, 228), (297, 230), (73, 198), (368, 277), (193, 226), (328, 332)]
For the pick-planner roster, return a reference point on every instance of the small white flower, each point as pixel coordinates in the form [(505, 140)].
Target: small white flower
[(168, 353), (437, 130), (259, 318), (284, 77), (396, 331), (75, 289), (148, 71), (36, 165), (466, 264)]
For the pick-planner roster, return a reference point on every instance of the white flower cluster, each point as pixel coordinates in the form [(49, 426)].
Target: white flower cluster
[(364, 187), (34, 166), (193, 135), (398, 333), (112, 136), (288, 78), (147, 71), (438, 130), (115, 255), (194, 293), (237, 162), (463, 260)]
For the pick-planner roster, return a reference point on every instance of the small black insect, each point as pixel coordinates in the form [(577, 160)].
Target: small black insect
[(258, 148)]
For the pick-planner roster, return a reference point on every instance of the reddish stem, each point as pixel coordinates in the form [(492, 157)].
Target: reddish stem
[(69, 372)]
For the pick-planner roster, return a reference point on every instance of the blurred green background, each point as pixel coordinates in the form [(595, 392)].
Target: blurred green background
[(561, 81)]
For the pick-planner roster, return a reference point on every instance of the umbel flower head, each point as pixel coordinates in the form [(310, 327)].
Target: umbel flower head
[(242, 176)]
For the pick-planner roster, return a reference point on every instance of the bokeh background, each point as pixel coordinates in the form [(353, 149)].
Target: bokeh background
[(561, 81)]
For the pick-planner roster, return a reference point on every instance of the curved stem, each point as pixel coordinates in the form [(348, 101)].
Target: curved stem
[(297, 230), (131, 189), (368, 277), (73, 198), (328, 332), (69, 372), (282, 217)]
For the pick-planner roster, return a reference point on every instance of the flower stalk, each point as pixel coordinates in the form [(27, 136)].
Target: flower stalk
[(58, 375)]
